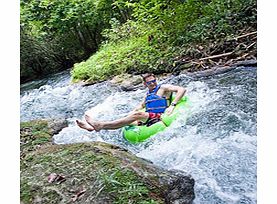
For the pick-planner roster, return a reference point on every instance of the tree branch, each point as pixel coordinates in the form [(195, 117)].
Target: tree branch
[(216, 56)]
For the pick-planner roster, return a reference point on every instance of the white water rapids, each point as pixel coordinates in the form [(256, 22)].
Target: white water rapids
[(216, 144)]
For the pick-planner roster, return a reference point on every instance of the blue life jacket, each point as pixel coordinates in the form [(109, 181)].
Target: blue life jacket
[(155, 103)]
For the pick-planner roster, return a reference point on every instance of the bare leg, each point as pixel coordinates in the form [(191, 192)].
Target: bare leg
[(84, 125), (110, 125)]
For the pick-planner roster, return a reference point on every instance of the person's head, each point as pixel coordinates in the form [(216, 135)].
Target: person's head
[(149, 81)]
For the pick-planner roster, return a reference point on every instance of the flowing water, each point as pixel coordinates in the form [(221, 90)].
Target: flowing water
[(216, 143)]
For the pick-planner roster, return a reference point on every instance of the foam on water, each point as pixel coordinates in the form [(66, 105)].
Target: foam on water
[(225, 167)]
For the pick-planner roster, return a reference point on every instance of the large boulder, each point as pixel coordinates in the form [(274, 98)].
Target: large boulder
[(93, 172)]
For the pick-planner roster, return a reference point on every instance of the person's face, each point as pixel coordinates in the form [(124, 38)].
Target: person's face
[(150, 82)]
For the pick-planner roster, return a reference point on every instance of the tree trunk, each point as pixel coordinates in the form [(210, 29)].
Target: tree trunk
[(83, 43)]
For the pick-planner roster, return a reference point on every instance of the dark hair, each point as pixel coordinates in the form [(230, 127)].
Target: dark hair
[(145, 76)]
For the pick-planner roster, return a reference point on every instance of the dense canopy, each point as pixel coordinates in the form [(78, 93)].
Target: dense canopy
[(102, 38)]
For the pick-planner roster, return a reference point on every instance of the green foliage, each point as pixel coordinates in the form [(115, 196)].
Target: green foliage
[(219, 19), (64, 15), (120, 32), (56, 34), (125, 36), (133, 55)]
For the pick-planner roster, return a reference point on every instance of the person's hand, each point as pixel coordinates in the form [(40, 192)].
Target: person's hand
[(169, 110)]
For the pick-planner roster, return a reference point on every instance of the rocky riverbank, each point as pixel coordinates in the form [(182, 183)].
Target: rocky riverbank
[(91, 172), (129, 82)]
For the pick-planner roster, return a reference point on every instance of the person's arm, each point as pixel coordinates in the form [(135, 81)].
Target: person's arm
[(180, 92)]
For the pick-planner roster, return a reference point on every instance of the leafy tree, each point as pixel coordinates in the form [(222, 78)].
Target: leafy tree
[(70, 29)]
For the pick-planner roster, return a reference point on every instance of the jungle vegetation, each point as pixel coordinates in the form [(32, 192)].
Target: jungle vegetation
[(99, 39)]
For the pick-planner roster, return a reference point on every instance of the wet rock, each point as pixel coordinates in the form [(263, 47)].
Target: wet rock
[(56, 125), (180, 189), (128, 82)]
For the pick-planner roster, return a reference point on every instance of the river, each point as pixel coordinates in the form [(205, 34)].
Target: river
[(216, 144)]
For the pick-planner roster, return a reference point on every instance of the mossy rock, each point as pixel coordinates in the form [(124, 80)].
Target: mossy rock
[(37, 133), (93, 172), (34, 134)]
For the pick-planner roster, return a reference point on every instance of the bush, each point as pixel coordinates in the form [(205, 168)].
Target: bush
[(132, 55)]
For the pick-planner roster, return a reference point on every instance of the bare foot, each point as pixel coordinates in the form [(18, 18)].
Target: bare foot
[(96, 125), (84, 125)]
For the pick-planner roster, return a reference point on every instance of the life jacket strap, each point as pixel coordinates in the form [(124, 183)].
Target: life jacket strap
[(156, 99), (154, 108)]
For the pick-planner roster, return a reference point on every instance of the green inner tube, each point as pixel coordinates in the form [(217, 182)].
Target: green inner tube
[(136, 134)]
